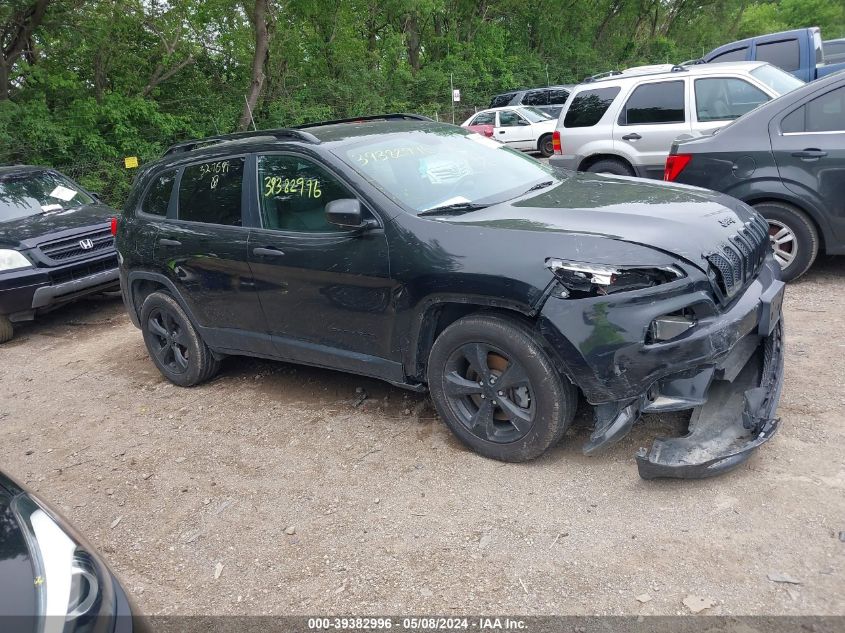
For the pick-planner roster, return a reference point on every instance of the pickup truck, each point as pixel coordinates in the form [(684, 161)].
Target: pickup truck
[(799, 52)]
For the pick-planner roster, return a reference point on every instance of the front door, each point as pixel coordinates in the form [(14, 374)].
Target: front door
[(203, 250), (513, 130), (809, 149), (326, 291), (654, 115)]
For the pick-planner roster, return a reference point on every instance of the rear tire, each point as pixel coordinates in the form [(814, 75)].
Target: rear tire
[(610, 166), (173, 342), (7, 330), (545, 146), (497, 389), (793, 235)]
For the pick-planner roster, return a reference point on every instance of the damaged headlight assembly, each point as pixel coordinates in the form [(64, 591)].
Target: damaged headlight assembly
[(581, 279)]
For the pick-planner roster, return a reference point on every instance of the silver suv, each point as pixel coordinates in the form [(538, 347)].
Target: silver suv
[(624, 122)]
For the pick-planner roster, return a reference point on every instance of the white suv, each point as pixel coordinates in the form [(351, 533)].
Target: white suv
[(624, 122)]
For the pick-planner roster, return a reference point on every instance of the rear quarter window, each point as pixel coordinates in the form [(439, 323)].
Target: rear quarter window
[(588, 107), (157, 200)]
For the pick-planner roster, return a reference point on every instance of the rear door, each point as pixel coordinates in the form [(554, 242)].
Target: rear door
[(809, 148), (202, 249), (325, 290), (513, 130), (653, 116)]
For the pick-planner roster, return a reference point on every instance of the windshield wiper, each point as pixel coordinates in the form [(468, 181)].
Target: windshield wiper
[(453, 209), (540, 185)]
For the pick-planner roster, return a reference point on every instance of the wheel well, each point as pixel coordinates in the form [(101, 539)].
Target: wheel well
[(141, 289), (441, 316), (592, 160), (819, 232)]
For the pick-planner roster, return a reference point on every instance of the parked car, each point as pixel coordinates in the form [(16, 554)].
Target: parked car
[(434, 258), (549, 99), (51, 580), (834, 51), (787, 159), (625, 123), (56, 244), (799, 52), (527, 129)]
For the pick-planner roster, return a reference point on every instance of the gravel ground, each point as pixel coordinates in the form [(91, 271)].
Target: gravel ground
[(267, 491)]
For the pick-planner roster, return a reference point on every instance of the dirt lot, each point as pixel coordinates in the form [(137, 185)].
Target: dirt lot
[(389, 513)]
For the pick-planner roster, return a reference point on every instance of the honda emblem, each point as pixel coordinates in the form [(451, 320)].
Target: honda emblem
[(86, 244)]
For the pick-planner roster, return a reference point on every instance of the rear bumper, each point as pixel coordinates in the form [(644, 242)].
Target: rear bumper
[(24, 292)]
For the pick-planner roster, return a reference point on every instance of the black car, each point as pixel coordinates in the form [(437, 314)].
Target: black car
[(549, 99), (56, 244), (786, 159), (434, 258), (51, 580)]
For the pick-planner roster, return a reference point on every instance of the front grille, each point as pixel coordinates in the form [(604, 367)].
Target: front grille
[(71, 248), (739, 260), (84, 269)]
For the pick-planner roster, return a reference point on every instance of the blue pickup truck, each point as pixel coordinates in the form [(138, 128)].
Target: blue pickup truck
[(799, 52)]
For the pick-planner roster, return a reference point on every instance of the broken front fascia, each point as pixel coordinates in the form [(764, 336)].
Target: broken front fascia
[(727, 368)]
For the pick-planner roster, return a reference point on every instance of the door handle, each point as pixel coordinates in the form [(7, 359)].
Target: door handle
[(811, 153), (633, 136), (168, 242), (267, 252), (502, 131)]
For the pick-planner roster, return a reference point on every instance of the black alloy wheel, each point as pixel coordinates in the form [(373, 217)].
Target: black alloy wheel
[(172, 350)]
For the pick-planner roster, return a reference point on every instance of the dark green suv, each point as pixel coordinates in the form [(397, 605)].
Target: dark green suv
[(434, 258)]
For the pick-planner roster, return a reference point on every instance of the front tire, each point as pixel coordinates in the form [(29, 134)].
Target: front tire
[(7, 330), (497, 389), (174, 343), (793, 236), (545, 146)]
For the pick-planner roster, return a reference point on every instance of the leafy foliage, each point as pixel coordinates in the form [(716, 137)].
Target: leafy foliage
[(93, 81)]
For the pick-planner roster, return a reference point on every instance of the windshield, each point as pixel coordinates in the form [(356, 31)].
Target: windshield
[(444, 166), (778, 80), (534, 115), (32, 193)]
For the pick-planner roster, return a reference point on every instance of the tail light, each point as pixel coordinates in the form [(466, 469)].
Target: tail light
[(557, 146), (488, 131), (675, 164), (114, 226)]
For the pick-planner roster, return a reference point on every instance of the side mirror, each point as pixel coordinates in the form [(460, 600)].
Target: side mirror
[(346, 212), (523, 122)]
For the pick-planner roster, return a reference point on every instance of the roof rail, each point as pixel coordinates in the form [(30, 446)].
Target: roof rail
[(280, 134), (609, 73), (394, 116)]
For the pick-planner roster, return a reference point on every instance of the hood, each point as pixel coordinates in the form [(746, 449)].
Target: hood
[(687, 222), (32, 227)]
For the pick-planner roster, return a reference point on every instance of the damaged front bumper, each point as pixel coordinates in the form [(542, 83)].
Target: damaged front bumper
[(728, 369)]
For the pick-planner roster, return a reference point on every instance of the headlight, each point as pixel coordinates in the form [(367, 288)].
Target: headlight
[(581, 279), (10, 260), (73, 588)]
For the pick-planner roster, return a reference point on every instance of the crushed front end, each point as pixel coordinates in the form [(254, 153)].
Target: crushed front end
[(711, 343)]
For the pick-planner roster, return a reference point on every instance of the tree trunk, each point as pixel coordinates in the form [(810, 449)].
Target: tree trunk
[(260, 18), (15, 35)]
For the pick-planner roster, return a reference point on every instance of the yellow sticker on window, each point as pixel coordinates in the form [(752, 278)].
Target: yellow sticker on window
[(130, 162)]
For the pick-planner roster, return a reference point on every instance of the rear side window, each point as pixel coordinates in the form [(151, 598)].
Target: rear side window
[(558, 97), (783, 54), (211, 192), (735, 55), (725, 98), (501, 100), (158, 195), (823, 114), (588, 107), (536, 97), (485, 118), (655, 103)]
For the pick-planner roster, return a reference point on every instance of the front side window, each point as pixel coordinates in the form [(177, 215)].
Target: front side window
[(735, 55), (588, 107), (535, 115), (784, 54), (485, 118), (536, 97), (294, 192), (823, 114), (211, 192), (157, 199), (509, 118), (33, 193), (725, 98), (655, 103)]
